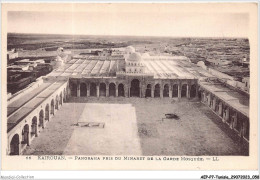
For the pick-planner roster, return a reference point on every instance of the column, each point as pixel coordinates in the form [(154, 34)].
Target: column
[(116, 92), (209, 99), (88, 90), (97, 90), (214, 104), (107, 91), (188, 91), (170, 92), (179, 90), (152, 92), (78, 90), (197, 91), (220, 109)]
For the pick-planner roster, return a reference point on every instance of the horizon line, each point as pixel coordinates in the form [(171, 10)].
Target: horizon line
[(130, 35)]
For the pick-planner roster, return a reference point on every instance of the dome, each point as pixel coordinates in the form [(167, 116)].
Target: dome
[(145, 55), (135, 57), (130, 49)]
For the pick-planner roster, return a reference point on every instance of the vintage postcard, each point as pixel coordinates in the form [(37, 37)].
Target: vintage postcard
[(129, 86)]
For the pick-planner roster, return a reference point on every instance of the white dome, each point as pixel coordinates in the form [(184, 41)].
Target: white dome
[(135, 57), (145, 55), (130, 49)]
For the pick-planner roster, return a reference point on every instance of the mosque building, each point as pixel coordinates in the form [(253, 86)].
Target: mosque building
[(121, 73)]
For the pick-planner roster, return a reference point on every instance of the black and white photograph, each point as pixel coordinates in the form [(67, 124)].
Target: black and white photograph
[(129, 81)]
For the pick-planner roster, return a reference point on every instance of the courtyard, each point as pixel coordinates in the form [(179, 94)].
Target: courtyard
[(134, 126)]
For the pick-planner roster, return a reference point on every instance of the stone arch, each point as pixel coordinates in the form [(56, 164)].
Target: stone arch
[(135, 88), (93, 89), (47, 112), (157, 90), (121, 91), (184, 90), (34, 127), (52, 106), (193, 91), (83, 89), (41, 119), (175, 90), (73, 89), (166, 90), (112, 89), (15, 145), (102, 89), (148, 92), (25, 135)]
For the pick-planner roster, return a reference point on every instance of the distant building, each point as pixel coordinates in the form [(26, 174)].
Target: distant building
[(12, 54)]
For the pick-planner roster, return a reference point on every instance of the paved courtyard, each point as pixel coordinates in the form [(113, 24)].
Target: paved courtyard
[(134, 126)]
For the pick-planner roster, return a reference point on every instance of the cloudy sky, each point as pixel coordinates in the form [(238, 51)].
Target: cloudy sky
[(137, 22)]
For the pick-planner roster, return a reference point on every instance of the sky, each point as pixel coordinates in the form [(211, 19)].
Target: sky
[(139, 23)]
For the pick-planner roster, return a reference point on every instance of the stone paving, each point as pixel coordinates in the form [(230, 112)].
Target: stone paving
[(134, 126)]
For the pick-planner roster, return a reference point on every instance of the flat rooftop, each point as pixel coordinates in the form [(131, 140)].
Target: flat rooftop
[(20, 108), (232, 98), (171, 68)]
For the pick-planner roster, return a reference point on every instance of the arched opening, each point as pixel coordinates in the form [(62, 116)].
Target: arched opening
[(93, 89), (52, 107), (157, 90), (112, 89), (102, 89), (41, 116), (34, 126), (166, 90), (135, 88), (73, 89), (83, 90), (25, 135), (148, 92), (184, 90), (121, 91), (60, 98), (57, 102), (47, 118), (14, 145), (175, 90), (193, 91)]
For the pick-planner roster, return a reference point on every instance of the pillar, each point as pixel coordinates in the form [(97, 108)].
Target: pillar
[(197, 91), (170, 93), (78, 90), (234, 117), (209, 99), (161, 91), (107, 91), (188, 91), (116, 92), (152, 92), (88, 90), (179, 91), (214, 104), (226, 114), (97, 90)]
